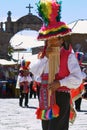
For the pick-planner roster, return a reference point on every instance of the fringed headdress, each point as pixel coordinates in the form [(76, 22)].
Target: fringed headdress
[(50, 12), (24, 65)]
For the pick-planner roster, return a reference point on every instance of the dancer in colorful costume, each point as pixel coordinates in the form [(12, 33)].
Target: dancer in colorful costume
[(24, 80), (57, 67), (76, 94)]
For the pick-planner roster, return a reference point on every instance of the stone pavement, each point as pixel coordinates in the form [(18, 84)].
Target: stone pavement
[(13, 117)]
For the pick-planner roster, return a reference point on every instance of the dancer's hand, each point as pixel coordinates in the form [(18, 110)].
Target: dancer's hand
[(54, 86)]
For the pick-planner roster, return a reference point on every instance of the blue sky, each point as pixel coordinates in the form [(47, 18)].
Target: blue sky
[(71, 9)]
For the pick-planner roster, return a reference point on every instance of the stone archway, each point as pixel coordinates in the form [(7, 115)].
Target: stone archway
[(29, 21)]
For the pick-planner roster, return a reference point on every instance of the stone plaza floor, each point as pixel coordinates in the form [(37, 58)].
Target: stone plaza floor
[(13, 117)]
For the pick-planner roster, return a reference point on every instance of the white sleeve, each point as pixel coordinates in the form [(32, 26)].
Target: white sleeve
[(75, 77), (84, 75), (29, 79), (37, 67), (20, 79), (17, 83), (37, 79)]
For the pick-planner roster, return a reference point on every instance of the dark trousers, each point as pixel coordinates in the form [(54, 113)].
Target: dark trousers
[(23, 96), (38, 91), (62, 121), (78, 104), (32, 92)]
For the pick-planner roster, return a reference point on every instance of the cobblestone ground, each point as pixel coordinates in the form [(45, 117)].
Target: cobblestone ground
[(13, 117)]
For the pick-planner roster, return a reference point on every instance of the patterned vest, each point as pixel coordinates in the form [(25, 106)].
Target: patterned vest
[(63, 71)]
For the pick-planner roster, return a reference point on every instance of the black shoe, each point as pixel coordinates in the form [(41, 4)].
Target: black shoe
[(20, 105), (26, 106), (84, 96), (78, 110)]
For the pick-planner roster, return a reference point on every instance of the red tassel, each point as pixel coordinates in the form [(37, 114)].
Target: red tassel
[(55, 110), (39, 113), (72, 115), (34, 87)]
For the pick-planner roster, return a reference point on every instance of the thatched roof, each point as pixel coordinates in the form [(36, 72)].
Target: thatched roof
[(79, 26)]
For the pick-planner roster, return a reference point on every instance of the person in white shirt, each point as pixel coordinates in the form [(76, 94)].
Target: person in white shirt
[(68, 76), (57, 68), (24, 80)]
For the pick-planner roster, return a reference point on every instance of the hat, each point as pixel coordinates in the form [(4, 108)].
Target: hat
[(80, 56), (49, 11), (24, 65)]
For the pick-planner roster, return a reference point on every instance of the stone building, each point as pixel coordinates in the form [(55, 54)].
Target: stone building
[(79, 35), (10, 28)]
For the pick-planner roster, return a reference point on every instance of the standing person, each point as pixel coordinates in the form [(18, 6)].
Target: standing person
[(80, 90), (32, 91), (84, 95), (24, 81), (58, 68)]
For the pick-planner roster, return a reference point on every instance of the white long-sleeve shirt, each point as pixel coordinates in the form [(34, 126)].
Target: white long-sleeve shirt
[(73, 80), (22, 79)]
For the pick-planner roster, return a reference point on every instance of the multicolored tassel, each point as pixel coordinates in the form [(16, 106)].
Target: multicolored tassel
[(48, 114)]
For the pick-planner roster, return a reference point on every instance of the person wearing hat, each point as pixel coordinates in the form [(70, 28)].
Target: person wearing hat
[(24, 79), (57, 67), (77, 93)]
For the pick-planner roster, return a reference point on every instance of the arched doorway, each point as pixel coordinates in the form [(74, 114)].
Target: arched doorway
[(30, 22)]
